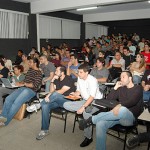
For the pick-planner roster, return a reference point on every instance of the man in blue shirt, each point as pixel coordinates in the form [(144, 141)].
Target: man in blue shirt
[(72, 68)]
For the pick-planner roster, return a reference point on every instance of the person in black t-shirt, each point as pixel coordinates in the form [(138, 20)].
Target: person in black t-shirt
[(3, 70), (61, 85), (127, 57), (130, 106), (18, 58)]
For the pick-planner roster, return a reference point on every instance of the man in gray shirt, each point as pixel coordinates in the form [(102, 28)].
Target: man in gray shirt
[(97, 49), (48, 69), (100, 73)]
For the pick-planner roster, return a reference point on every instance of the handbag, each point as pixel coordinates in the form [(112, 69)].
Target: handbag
[(20, 114)]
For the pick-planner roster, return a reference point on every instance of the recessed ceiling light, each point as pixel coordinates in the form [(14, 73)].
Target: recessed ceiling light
[(87, 8)]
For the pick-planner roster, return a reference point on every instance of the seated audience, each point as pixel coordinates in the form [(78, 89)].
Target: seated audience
[(15, 76), (65, 58), (8, 62), (37, 55), (25, 63), (141, 45), (43, 49), (72, 68), (33, 50), (56, 59), (61, 86), (121, 46), (125, 113), (27, 90), (49, 48), (132, 48), (117, 65), (96, 49), (18, 58), (146, 54), (48, 70), (129, 59), (106, 47), (89, 56), (146, 85), (85, 44), (102, 55), (3, 70), (137, 68), (100, 73), (87, 87)]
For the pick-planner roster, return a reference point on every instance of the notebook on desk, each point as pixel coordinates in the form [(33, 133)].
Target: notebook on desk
[(105, 103), (7, 83), (74, 98)]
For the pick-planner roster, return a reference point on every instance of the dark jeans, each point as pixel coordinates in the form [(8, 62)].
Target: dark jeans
[(56, 100), (144, 137)]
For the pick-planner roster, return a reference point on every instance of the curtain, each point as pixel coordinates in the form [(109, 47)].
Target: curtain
[(13, 25)]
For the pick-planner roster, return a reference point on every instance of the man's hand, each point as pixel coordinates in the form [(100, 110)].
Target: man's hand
[(72, 71), (43, 82), (69, 63), (115, 110), (19, 84), (118, 85), (146, 87), (80, 111), (55, 77), (47, 99), (75, 94)]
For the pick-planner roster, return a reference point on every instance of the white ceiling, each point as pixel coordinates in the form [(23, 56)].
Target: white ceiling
[(116, 7), (139, 4), (107, 9), (26, 1)]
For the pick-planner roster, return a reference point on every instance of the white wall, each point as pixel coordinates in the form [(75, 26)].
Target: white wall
[(58, 28), (119, 15), (93, 30)]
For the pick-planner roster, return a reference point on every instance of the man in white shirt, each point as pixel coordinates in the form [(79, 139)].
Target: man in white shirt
[(117, 65), (87, 87), (132, 48)]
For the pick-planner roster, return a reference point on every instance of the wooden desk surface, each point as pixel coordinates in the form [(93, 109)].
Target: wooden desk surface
[(145, 116)]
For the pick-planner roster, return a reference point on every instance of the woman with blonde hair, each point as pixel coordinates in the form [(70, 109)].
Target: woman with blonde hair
[(137, 68)]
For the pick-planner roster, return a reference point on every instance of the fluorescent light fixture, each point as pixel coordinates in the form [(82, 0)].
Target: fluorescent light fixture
[(148, 1), (88, 8)]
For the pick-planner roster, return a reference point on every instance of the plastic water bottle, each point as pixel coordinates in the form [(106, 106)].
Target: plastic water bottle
[(13, 81), (86, 59)]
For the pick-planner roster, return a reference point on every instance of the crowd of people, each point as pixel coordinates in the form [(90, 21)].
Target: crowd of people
[(81, 72)]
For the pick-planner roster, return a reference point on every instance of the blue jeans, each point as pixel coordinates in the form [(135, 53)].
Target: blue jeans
[(47, 85), (146, 95), (56, 100), (136, 79), (14, 101), (74, 106), (106, 120)]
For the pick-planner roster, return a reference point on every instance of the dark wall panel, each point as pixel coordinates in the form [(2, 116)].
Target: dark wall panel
[(57, 42), (32, 31), (9, 47), (141, 27), (66, 15), (13, 5)]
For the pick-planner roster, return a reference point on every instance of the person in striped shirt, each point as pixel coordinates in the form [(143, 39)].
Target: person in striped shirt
[(27, 90)]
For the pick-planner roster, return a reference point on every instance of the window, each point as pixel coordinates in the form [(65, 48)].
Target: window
[(13, 25)]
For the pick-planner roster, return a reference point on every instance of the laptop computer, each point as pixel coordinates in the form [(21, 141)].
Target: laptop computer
[(105, 103), (7, 83)]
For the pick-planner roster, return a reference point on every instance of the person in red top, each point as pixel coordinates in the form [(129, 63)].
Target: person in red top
[(146, 54)]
